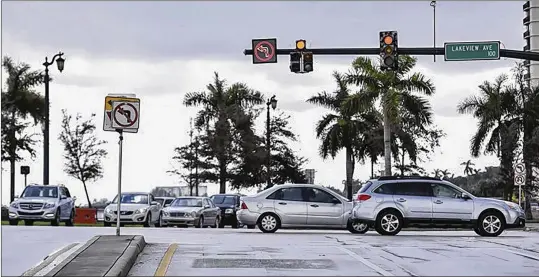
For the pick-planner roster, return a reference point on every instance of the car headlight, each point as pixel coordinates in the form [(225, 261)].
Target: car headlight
[(229, 211), (141, 211), (15, 205), (49, 205), (108, 211), (193, 214), (513, 206)]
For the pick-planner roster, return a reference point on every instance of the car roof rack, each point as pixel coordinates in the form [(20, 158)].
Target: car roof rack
[(386, 178)]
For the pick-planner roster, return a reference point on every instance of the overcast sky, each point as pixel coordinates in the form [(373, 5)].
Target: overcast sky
[(162, 50)]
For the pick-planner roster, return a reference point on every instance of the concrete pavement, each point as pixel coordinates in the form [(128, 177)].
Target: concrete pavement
[(221, 252)]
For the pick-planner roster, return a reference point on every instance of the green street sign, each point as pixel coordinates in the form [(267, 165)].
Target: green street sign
[(472, 51)]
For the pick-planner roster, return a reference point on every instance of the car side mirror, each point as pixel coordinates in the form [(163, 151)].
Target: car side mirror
[(154, 203), (465, 196), (206, 206), (74, 198)]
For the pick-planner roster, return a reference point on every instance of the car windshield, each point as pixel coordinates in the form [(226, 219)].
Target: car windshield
[(223, 199), (160, 200), (50, 192), (187, 202), (132, 199)]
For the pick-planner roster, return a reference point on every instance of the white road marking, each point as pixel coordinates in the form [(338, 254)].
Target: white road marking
[(522, 254), (365, 262)]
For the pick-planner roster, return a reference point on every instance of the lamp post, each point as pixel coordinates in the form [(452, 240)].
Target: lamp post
[(60, 63), (272, 102), (433, 5)]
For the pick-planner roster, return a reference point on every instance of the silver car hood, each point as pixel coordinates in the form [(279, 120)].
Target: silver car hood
[(183, 209), (127, 207), (36, 200)]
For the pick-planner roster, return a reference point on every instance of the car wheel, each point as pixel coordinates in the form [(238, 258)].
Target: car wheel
[(13, 222), (29, 222), (148, 221), (106, 224), (56, 220), (268, 223), (389, 223), (159, 222), (357, 227), (200, 223), (217, 223), (71, 220), (235, 225), (490, 224)]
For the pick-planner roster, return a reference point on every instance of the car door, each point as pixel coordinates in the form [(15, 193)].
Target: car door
[(207, 212), (215, 211), (449, 206), (64, 209), (154, 209), (69, 202), (323, 209), (290, 205), (414, 199)]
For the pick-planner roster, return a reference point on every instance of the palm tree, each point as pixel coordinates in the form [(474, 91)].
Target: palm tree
[(222, 107), (468, 167), (394, 89), (496, 125), (339, 129), (19, 101)]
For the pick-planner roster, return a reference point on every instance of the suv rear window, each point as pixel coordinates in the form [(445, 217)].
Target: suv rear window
[(365, 187), (385, 189)]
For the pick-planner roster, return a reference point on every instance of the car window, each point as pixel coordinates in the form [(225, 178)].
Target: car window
[(31, 191), (412, 189), (62, 192), (384, 189), (152, 199), (211, 203), (224, 199), (168, 201), (288, 194), (187, 202), (320, 196), (365, 187), (160, 200), (439, 190), (132, 199), (67, 192)]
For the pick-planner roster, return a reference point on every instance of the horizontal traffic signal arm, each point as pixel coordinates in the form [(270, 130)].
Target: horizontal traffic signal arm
[(415, 51)]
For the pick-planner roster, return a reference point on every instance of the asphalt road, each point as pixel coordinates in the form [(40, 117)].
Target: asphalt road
[(226, 252)]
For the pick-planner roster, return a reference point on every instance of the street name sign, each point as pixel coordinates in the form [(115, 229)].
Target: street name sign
[(472, 51)]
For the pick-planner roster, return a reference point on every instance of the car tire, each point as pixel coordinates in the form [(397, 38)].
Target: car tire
[(476, 230), (159, 222), (148, 220), (356, 227), (71, 220), (28, 222), (388, 223), (200, 222), (235, 225), (13, 222), (490, 224), (56, 220), (268, 223), (107, 224)]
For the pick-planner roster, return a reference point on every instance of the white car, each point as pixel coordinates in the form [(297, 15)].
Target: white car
[(136, 208)]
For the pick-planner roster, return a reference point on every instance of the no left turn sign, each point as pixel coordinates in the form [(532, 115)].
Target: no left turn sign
[(520, 169), (264, 50), (125, 115)]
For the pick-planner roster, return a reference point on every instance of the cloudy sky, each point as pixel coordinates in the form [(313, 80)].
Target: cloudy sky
[(162, 50)]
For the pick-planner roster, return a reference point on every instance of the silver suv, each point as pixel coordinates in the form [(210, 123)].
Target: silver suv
[(391, 203), (43, 203)]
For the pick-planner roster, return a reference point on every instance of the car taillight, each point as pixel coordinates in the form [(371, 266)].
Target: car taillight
[(243, 206), (363, 197)]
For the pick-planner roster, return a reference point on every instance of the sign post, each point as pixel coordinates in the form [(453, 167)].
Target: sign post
[(25, 170), (520, 179), (472, 51), (122, 114)]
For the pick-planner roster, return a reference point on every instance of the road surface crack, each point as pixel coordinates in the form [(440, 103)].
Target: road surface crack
[(405, 257)]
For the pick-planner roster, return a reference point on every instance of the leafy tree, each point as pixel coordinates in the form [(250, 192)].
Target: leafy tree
[(222, 105), (82, 149), (19, 102), (394, 89), (341, 129), (468, 167)]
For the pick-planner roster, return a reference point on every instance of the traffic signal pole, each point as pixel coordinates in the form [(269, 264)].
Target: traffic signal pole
[(415, 51)]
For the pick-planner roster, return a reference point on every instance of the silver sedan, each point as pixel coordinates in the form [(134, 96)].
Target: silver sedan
[(298, 206), (194, 211)]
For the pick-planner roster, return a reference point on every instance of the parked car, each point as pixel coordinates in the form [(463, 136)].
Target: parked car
[(164, 200), (43, 203), (229, 205), (199, 212), (391, 203), (298, 206), (136, 208)]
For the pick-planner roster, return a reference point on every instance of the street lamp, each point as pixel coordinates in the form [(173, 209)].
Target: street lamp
[(272, 102), (433, 5), (60, 63)]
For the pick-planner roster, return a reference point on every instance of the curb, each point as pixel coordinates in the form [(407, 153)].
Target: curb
[(123, 264), (48, 260), (71, 257)]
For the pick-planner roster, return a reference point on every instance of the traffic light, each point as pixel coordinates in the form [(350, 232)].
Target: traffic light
[(301, 45), (307, 61), (389, 46), (295, 62)]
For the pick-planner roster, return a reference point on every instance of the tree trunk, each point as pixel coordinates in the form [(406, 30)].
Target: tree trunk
[(222, 176), (372, 168), (387, 143), (402, 160), (87, 196), (12, 177), (349, 172)]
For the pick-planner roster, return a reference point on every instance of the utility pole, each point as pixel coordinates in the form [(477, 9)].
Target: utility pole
[(196, 164), (190, 156), (433, 5), (272, 102)]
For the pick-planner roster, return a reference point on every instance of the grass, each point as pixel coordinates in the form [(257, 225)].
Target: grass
[(40, 223)]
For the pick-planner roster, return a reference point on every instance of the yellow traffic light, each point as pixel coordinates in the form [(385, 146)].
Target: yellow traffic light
[(300, 44), (388, 40)]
